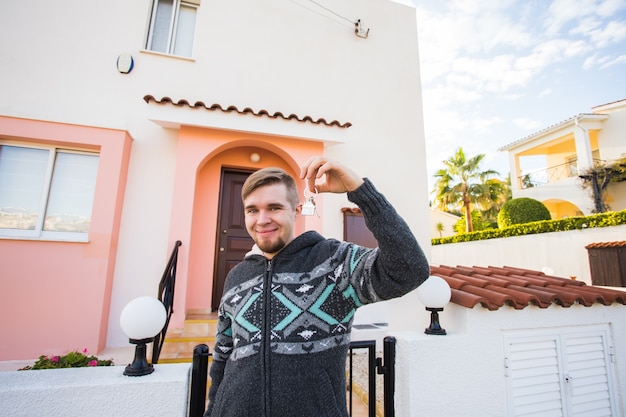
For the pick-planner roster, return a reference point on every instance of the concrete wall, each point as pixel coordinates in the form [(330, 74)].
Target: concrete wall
[(564, 252), (462, 374), (96, 392)]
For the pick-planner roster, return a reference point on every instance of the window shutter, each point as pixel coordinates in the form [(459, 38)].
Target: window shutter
[(588, 378), (533, 381), (559, 372)]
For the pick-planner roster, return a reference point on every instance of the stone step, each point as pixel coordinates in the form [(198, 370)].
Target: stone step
[(179, 343)]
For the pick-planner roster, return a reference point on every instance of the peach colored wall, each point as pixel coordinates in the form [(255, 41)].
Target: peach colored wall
[(201, 155), (55, 296)]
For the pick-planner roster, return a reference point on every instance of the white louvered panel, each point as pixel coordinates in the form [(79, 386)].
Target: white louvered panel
[(561, 372), (535, 388), (589, 384)]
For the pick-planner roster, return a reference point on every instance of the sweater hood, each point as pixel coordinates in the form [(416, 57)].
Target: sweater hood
[(306, 239)]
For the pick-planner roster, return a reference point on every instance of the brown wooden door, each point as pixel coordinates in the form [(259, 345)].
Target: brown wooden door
[(233, 241)]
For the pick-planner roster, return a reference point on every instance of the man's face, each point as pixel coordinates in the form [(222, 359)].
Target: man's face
[(270, 218)]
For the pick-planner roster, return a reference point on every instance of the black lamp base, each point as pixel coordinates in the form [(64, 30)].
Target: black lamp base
[(140, 365), (435, 327)]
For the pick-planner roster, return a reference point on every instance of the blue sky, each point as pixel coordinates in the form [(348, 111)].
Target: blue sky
[(495, 71)]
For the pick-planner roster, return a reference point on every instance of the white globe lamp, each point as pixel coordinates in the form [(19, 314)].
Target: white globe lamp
[(141, 320), (435, 294)]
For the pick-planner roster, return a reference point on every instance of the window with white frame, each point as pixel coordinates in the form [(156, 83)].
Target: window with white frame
[(46, 192), (172, 26)]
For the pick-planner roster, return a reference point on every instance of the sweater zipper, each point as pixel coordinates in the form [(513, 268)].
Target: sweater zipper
[(266, 337)]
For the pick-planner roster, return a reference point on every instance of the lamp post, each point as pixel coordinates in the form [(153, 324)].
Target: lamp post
[(141, 320), (435, 294)]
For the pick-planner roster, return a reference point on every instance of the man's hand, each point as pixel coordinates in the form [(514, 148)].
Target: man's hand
[(338, 178)]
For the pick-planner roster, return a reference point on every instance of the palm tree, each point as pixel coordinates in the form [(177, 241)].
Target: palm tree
[(439, 226), (499, 192), (461, 184)]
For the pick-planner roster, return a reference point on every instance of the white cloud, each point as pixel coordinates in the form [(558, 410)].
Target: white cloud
[(603, 62), (609, 8), (527, 124), (613, 32), (562, 12), (544, 93), (614, 61)]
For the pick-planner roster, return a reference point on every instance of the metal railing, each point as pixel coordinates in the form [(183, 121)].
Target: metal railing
[(552, 174), (166, 296), (382, 366)]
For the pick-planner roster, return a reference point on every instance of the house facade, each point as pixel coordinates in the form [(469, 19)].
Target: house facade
[(128, 126), (565, 150)]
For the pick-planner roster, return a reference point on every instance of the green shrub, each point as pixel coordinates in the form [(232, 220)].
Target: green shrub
[(614, 218), (71, 360), (522, 210), (477, 223)]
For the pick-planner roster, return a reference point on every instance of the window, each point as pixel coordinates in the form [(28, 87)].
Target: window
[(172, 26), (46, 191), (560, 372)]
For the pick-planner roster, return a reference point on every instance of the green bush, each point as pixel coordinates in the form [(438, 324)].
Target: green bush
[(522, 210), (477, 223), (70, 360), (614, 218)]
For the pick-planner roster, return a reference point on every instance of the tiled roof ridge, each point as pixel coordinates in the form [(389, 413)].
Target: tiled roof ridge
[(597, 245), (493, 287), (229, 109)]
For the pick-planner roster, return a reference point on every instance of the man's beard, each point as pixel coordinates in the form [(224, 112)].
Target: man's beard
[(272, 247)]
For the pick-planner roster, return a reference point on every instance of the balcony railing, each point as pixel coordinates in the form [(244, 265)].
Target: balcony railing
[(551, 174)]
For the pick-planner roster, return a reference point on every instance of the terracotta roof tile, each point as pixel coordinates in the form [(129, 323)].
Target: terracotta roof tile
[(474, 281), (234, 109), (511, 280), (468, 300), (599, 245), (493, 287)]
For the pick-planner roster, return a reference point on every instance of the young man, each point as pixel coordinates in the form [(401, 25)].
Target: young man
[(286, 312)]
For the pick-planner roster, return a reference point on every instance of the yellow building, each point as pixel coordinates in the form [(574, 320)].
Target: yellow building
[(564, 150)]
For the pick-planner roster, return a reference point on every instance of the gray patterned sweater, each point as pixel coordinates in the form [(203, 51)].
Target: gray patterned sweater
[(284, 325)]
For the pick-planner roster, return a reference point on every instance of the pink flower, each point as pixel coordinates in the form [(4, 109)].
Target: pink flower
[(92, 363), (55, 359), (85, 351)]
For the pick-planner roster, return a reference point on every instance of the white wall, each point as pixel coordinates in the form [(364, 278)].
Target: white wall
[(564, 252), (448, 220), (462, 374), (103, 391)]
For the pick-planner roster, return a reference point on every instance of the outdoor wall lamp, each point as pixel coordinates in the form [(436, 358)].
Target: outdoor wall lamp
[(435, 294), (141, 320)]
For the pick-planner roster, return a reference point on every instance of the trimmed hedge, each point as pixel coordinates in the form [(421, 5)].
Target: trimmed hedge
[(614, 218), (522, 210)]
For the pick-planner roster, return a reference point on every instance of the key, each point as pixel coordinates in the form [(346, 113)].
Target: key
[(308, 208)]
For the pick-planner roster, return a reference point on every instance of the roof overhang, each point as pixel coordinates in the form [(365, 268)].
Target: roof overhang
[(586, 120), (172, 114)]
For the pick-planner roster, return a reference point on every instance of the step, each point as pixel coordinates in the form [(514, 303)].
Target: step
[(179, 343)]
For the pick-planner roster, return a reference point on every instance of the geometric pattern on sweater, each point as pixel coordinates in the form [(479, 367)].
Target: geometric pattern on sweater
[(310, 312)]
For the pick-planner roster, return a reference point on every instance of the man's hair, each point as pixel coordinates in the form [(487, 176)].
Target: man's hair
[(270, 176)]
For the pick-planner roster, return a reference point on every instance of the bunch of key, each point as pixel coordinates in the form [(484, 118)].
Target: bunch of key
[(308, 207)]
